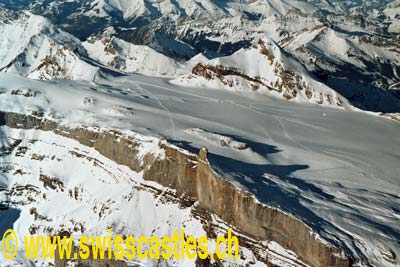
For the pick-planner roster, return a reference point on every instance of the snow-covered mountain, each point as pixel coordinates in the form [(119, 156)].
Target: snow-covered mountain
[(360, 65), (119, 54), (351, 47), (312, 162), (295, 100), (85, 127), (264, 68), (49, 201), (33, 47)]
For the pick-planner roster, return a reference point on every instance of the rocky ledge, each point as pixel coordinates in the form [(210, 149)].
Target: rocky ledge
[(192, 178)]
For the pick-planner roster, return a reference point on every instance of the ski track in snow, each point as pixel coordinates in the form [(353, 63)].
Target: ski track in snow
[(314, 164), (163, 107), (285, 132), (354, 165)]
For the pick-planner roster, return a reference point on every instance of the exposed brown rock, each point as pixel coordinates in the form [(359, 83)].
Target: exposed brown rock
[(208, 71), (192, 177), (51, 182), (266, 52)]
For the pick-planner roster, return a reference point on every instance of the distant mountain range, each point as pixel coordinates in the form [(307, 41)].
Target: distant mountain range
[(278, 118), (351, 47)]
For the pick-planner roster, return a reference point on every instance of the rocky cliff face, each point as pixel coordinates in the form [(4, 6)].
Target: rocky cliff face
[(193, 179)]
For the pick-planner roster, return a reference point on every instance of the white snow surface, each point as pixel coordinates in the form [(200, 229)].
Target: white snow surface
[(198, 9), (255, 63), (96, 194), (33, 47), (337, 170), (130, 58)]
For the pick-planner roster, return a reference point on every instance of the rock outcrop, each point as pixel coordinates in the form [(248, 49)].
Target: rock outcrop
[(192, 177)]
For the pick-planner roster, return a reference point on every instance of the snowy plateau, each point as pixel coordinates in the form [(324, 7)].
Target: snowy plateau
[(279, 119)]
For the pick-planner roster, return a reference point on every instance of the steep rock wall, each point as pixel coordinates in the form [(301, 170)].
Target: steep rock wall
[(192, 177)]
